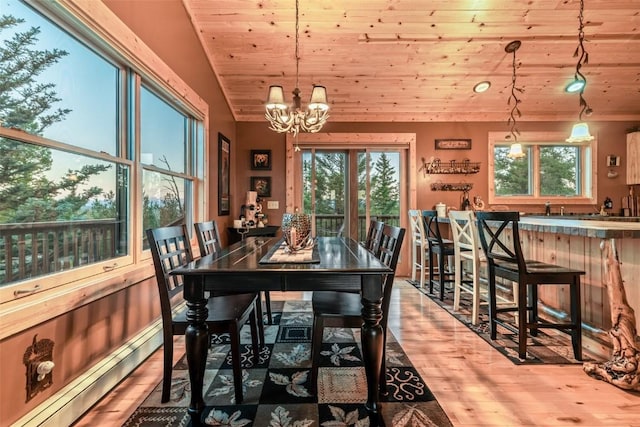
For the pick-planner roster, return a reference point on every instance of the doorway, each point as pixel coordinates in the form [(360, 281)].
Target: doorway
[(343, 189), (403, 143)]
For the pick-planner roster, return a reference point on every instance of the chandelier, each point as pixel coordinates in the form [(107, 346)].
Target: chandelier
[(515, 152), (294, 119), (580, 131)]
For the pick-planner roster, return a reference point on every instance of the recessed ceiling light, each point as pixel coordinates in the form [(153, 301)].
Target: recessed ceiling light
[(575, 86), (482, 87)]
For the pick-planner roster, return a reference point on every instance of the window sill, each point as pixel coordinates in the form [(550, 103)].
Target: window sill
[(24, 313)]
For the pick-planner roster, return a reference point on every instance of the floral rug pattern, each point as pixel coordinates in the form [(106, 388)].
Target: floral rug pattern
[(276, 386)]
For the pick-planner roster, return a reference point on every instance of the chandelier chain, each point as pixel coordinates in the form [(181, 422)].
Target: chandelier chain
[(297, 41), (294, 118)]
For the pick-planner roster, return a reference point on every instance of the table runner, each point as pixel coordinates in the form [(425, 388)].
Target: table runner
[(278, 255)]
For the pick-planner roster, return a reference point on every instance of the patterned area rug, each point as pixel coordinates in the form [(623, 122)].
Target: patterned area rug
[(545, 348), (276, 387)]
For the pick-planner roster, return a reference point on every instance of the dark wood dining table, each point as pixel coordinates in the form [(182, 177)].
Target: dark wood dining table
[(342, 265)]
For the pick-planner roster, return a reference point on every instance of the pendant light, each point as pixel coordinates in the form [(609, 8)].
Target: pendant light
[(580, 131), (515, 152)]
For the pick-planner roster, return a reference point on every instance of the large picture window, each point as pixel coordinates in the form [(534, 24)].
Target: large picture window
[(551, 170), (69, 147)]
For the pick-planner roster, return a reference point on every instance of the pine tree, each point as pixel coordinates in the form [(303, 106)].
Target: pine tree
[(385, 191), (26, 194)]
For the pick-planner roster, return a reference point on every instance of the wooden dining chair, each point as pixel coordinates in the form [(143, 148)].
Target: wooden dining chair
[(170, 249), (209, 242), (374, 235), (419, 247), (500, 239), (439, 248), (344, 310), (208, 237)]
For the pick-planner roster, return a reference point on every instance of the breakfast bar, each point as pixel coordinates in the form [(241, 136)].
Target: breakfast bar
[(578, 243)]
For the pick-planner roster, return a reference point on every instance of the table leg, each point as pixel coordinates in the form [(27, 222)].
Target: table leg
[(197, 346), (372, 341)]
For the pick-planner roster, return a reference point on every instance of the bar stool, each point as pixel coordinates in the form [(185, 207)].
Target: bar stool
[(469, 254), (419, 246), (506, 260), (442, 248), (467, 251)]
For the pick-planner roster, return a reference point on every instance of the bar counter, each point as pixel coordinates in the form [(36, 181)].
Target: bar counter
[(576, 243), (596, 226)]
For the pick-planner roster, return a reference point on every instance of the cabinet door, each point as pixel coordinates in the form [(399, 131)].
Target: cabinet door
[(633, 158)]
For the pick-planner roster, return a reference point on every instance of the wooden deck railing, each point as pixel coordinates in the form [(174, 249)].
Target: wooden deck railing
[(34, 249), (331, 225), (29, 250)]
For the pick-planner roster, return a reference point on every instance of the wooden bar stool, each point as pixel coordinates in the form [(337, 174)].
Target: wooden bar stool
[(505, 259), (470, 262), (442, 248), (419, 246)]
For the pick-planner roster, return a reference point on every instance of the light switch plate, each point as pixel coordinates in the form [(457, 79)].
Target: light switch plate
[(273, 204)]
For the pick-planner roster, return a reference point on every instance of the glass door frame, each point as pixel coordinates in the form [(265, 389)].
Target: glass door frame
[(322, 140)]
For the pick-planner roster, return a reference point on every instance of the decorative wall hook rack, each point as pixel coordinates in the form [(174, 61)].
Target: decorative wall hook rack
[(436, 166), (449, 186)]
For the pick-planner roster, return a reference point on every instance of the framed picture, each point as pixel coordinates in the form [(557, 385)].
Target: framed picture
[(224, 163), (453, 144), (261, 185), (261, 160), (613, 160)]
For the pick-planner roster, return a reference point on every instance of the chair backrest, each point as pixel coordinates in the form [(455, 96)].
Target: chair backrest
[(416, 225), (500, 237), (432, 228), (465, 234), (208, 237), (170, 249), (374, 236), (389, 253)]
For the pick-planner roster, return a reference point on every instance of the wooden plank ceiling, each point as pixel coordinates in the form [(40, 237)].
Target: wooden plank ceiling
[(403, 61)]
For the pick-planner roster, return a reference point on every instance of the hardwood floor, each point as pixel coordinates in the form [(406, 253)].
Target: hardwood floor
[(476, 385)]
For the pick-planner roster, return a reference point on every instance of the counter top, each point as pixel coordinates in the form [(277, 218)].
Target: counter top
[(596, 228), (590, 217), (602, 229)]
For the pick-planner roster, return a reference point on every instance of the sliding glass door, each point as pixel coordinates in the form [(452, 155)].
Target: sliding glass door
[(345, 188)]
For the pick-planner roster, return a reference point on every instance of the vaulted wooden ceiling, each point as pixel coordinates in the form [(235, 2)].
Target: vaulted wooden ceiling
[(400, 61)]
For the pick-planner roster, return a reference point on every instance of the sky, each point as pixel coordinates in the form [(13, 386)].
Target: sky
[(88, 85)]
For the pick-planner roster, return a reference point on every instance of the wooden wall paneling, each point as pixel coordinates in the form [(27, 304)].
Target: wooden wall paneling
[(633, 158)]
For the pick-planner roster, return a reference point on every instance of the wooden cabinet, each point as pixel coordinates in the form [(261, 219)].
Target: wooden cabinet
[(633, 158)]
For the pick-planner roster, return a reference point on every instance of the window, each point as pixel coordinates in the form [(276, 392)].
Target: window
[(552, 169), (58, 88), (166, 143), (68, 152)]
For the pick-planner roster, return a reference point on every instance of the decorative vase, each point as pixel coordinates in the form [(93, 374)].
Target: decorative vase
[(296, 230)]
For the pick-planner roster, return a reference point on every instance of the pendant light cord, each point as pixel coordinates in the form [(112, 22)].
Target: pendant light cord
[(515, 110), (583, 59)]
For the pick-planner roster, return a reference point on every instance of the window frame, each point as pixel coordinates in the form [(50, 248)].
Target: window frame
[(92, 23), (35, 285), (534, 140)]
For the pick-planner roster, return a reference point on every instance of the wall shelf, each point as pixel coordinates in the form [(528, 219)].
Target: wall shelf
[(436, 166), (451, 186)]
